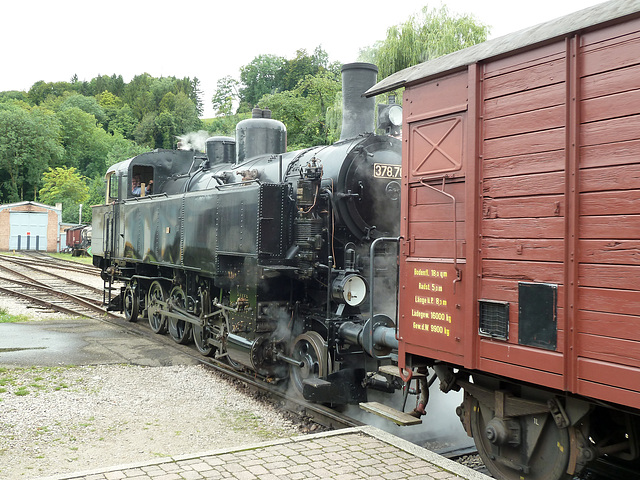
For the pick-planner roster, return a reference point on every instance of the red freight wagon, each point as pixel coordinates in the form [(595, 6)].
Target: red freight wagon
[(74, 237), (520, 257)]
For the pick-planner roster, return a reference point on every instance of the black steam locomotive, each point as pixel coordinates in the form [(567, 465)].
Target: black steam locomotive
[(264, 257)]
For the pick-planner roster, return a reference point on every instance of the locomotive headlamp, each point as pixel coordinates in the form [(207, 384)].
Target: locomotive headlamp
[(350, 289), (389, 117)]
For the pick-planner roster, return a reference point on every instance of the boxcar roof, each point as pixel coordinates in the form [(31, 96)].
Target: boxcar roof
[(527, 38)]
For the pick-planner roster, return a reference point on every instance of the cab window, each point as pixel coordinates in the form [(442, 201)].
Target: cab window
[(112, 187), (141, 183)]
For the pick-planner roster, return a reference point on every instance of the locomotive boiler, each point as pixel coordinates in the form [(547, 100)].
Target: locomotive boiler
[(264, 257)]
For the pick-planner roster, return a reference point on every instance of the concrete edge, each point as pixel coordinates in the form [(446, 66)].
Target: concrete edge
[(420, 452)]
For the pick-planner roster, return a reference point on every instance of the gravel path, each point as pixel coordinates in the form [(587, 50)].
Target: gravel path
[(66, 419)]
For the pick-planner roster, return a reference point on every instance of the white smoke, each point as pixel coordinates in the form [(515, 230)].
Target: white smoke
[(193, 141)]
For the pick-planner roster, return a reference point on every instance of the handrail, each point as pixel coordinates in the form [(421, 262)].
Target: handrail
[(455, 228), (369, 324)]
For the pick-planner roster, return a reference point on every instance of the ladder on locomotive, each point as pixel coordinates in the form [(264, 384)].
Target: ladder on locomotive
[(108, 236)]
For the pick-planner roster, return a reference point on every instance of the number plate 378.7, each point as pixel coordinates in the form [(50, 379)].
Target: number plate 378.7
[(382, 170)]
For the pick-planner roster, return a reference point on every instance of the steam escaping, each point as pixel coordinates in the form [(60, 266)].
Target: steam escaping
[(440, 428), (193, 141)]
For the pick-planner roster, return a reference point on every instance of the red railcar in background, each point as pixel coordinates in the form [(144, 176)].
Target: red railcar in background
[(520, 257), (78, 240)]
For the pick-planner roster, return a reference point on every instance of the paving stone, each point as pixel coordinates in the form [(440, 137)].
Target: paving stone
[(362, 453)]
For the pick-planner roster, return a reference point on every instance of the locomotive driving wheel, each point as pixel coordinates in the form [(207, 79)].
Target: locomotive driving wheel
[(157, 321), (179, 330), (540, 450), (131, 303), (200, 332), (309, 348)]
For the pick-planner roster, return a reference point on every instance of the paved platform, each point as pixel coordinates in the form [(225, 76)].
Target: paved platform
[(353, 453)]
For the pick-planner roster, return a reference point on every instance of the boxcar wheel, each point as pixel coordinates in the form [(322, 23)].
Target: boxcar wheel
[(157, 321), (548, 452), (179, 330)]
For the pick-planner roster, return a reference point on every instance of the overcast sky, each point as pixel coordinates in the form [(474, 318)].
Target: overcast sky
[(53, 40)]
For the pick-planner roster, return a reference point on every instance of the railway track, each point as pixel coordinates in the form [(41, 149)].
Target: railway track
[(53, 290)]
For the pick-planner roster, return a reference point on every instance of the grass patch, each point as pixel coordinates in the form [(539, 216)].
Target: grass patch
[(6, 317), (24, 381), (68, 256), (21, 392)]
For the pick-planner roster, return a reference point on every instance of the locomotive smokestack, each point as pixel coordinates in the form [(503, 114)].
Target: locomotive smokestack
[(358, 112)]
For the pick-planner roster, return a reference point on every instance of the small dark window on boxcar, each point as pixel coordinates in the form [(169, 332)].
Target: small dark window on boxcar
[(537, 312), (494, 319)]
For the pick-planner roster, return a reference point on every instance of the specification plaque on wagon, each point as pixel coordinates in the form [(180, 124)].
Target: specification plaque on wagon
[(431, 306)]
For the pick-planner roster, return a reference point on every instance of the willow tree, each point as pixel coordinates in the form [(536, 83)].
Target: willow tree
[(424, 36)]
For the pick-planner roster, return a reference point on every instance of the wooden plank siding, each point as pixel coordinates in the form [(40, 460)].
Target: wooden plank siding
[(608, 302), (523, 200)]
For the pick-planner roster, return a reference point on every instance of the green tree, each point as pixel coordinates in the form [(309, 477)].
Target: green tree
[(166, 130), (87, 104), (86, 144), (103, 83), (195, 94), (185, 114), (303, 110), (121, 149), (303, 65), (224, 125), (424, 36), (124, 122), (97, 196), (67, 186), (225, 95), (145, 130), (29, 143), (262, 76)]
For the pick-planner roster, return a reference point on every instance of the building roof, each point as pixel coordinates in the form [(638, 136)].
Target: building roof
[(35, 204), (527, 38)]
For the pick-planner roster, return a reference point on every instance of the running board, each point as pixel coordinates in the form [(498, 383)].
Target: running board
[(394, 371), (396, 416)]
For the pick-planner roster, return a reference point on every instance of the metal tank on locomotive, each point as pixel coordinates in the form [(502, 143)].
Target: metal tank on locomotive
[(264, 257)]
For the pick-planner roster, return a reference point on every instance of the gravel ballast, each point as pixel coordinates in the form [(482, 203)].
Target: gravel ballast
[(66, 419)]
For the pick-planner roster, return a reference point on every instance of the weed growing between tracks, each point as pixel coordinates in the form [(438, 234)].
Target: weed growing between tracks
[(6, 317)]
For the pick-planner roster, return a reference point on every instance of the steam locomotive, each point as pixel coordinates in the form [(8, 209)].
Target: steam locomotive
[(264, 257)]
